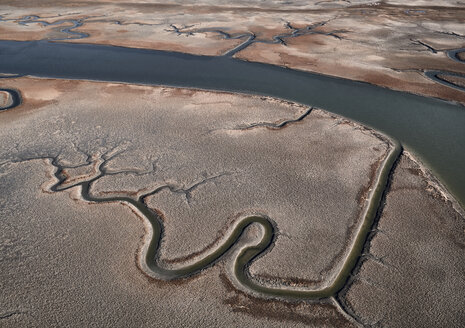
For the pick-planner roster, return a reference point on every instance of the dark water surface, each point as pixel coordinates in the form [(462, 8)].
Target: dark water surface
[(433, 130)]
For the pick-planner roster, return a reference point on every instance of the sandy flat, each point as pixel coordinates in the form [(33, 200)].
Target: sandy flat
[(196, 138), (386, 43), (204, 160), (162, 136), (212, 157), (412, 274)]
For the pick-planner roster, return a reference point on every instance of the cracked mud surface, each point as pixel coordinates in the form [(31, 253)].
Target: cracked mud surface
[(173, 168), (385, 43), (184, 152), (412, 274), (76, 156)]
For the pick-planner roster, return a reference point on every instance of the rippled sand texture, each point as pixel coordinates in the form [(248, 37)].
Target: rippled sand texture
[(201, 161), (387, 43)]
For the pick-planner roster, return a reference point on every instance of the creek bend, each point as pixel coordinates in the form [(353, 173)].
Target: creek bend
[(149, 261), (438, 76), (430, 128)]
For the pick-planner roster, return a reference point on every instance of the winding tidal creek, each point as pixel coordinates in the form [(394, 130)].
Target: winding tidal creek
[(431, 129), (149, 261)]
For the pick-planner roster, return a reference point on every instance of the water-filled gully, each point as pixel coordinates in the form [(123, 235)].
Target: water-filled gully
[(150, 253), (67, 30), (436, 75), (251, 38), (430, 128)]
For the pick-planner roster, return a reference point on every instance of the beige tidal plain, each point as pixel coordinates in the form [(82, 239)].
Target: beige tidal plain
[(385, 43), (212, 157)]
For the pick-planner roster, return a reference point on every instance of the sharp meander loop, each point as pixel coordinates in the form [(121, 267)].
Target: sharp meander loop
[(150, 264), (441, 76)]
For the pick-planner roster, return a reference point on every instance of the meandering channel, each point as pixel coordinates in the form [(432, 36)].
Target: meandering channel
[(68, 29), (149, 260), (251, 38), (437, 76), (431, 129)]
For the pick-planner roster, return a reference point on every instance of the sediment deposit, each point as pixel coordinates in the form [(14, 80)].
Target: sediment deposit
[(201, 161)]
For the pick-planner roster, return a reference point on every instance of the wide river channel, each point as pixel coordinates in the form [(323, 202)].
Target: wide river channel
[(432, 129)]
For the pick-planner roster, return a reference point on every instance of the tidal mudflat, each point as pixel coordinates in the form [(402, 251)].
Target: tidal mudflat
[(386, 43), (128, 202), (73, 242)]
